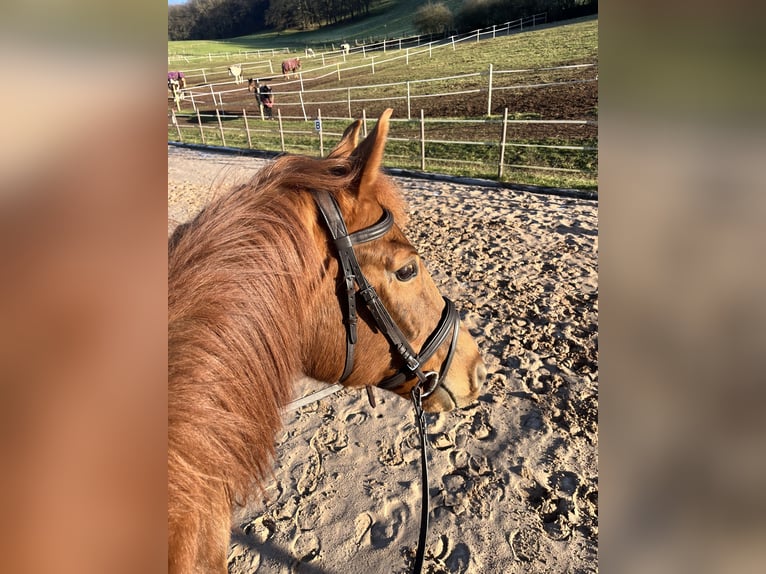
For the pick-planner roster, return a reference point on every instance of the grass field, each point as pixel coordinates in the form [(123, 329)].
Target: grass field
[(550, 46)]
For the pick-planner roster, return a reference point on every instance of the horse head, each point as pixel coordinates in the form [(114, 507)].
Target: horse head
[(393, 268)]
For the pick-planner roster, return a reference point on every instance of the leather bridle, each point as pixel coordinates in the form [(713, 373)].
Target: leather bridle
[(412, 367)]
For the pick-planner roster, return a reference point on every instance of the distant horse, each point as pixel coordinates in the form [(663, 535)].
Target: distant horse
[(290, 66), (176, 84), (253, 304), (252, 85), (236, 72), (176, 78), (346, 47), (310, 53)]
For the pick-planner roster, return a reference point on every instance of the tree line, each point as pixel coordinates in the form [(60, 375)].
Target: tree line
[(218, 19)]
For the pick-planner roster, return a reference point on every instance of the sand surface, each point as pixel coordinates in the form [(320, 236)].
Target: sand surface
[(514, 477)]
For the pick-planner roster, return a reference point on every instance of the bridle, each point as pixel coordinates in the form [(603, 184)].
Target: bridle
[(412, 367)]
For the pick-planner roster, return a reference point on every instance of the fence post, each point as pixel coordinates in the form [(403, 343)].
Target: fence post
[(489, 92), (220, 127), (502, 144), (338, 71), (453, 43), (194, 104), (372, 63), (303, 107), (409, 116), (271, 68), (422, 141), (212, 93), (364, 122), (493, 30), (300, 76), (247, 129), (281, 131), (199, 123), (321, 134), (407, 56), (178, 128), (204, 77), (349, 104)]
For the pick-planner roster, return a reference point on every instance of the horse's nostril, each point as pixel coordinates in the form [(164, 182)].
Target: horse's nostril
[(481, 374)]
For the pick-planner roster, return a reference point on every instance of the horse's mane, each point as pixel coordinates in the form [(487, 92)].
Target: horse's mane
[(237, 275)]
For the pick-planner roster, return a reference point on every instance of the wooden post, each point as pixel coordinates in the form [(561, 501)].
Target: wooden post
[(422, 141), (199, 123), (349, 104), (247, 128), (502, 144), (178, 128), (220, 127), (453, 43), (372, 63), (303, 107), (409, 115), (271, 68), (489, 92), (194, 104), (407, 56), (300, 77), (364, 122), (212, 93), (281, 131), (204, 77), (321, 135), (339, 71)]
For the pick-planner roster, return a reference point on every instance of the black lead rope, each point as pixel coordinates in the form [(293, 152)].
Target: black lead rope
[(421, 422)]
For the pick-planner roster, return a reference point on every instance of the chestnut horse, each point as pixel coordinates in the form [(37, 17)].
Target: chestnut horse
[(253, 304)]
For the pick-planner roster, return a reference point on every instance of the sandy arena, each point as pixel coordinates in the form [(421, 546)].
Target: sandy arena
[(514, 477)]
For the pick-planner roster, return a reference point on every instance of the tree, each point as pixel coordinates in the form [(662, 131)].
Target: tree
[(433, 18)]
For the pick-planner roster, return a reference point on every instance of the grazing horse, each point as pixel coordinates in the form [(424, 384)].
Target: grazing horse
[(236, 72), (256, 300), (290, 66), (346, 47), (310, 53)]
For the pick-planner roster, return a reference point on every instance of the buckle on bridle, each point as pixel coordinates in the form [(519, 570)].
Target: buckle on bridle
[(429, 385)]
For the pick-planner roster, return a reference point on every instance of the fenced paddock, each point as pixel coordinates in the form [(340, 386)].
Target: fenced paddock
[(484, 149), (475, 123)]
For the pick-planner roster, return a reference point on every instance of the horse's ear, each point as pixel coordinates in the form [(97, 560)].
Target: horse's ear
[(370, 152), (348, 142)]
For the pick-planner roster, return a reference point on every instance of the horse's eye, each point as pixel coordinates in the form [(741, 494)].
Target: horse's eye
[(407, 272)]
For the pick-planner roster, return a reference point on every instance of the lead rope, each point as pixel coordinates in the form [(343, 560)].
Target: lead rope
[(421, 422)]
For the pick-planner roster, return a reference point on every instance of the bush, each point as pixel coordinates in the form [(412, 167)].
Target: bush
[(433, 18)]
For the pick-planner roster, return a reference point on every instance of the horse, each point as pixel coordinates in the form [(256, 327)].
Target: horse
[(290, 66), (257, 299), (236, 72), (176, 85), (310, 53), (252, 85), (177, 80), (346, 47)]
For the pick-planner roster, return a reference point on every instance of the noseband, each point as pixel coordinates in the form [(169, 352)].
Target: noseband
[(413, 362)]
